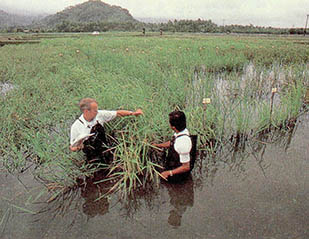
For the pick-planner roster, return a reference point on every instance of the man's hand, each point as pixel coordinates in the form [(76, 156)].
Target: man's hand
[(77, 148), (165, 174), (138, 112)]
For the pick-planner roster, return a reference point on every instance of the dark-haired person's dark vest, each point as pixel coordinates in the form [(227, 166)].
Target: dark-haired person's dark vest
[(173, 160), (96, 144)]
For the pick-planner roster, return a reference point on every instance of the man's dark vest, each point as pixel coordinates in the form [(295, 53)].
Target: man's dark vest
[(96, 144), (173, 160)]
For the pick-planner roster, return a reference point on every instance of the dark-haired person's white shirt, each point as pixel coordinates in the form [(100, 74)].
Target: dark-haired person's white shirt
[(183, 146), (82, 126)]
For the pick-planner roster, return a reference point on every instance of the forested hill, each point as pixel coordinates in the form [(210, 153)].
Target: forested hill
[(91, 11)]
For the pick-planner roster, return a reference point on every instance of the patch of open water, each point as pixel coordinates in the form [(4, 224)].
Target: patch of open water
[(5, 88), (252, 81), (260, 191)]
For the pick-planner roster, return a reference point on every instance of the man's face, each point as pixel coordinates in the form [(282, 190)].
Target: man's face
[(92, 112)]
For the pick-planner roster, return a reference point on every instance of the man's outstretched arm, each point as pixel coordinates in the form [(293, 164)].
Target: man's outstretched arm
[(121, 113), (162, 145)]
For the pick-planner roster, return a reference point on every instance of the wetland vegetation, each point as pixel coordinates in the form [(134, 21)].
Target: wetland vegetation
[(255, 85)]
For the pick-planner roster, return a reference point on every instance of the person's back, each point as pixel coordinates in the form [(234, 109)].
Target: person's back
[(181, 149)]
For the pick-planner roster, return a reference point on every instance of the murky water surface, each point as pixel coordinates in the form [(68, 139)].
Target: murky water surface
[(258, 191)]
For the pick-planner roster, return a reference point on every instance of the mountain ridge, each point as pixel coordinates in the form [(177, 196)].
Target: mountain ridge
[(90, 11)]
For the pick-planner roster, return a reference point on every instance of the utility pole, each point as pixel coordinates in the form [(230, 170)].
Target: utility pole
[(306, 25)]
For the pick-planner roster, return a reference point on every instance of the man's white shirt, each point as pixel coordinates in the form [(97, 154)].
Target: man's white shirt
[(82, 126), (183, 146)]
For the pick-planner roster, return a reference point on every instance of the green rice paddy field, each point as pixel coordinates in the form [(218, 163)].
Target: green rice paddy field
[(255, 83)]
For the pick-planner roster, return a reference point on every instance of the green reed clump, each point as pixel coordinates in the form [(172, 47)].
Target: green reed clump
[(131, 166), (291, 103), (204, 122)]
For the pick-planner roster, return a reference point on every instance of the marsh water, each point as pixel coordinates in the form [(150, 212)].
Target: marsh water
[(257, 190)]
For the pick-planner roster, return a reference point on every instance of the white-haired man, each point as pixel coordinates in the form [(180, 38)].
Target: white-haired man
[(91, 122)]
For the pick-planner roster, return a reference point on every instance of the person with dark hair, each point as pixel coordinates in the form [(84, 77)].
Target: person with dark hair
[(87, 132), (181, 149)]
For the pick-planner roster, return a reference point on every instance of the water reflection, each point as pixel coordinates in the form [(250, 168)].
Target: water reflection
[(88, 196), (181, 197), (94, 204), (235, 152)]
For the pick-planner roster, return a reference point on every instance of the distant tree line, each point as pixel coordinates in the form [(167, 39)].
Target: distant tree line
[(193, 26), (66, 26)]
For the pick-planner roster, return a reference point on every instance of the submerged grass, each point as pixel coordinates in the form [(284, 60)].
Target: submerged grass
[(157, 74)]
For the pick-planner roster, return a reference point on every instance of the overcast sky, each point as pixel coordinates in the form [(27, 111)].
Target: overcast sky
[(276, 13)]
